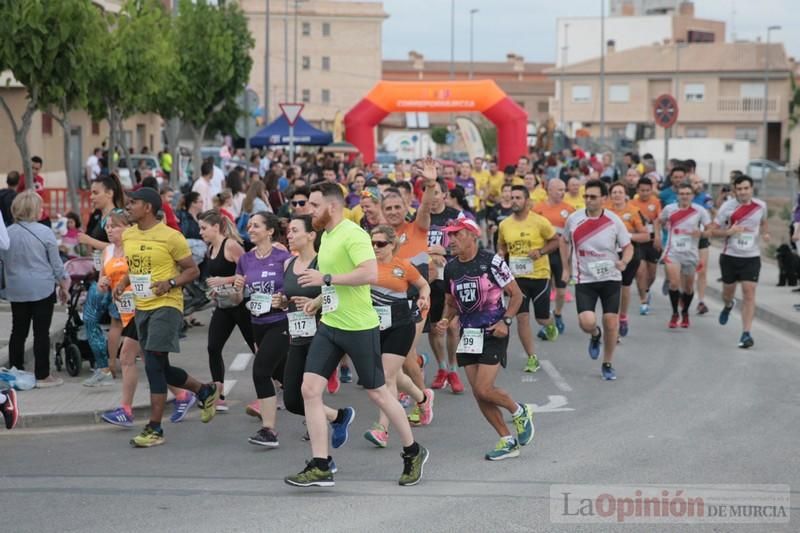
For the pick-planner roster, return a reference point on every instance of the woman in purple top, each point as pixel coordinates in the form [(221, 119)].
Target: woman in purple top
[(259, 280)]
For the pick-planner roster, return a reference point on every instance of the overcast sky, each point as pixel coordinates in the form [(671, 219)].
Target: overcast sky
[(528, 27)]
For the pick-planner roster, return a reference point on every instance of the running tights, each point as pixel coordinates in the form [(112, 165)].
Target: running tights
[(223, 321), (293, 378), (272, 341), (160, 373)]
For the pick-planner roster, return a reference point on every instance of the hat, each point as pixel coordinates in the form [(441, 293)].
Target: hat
[(462, 223), (147, 195)]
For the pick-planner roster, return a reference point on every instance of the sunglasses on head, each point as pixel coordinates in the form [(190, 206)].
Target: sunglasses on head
[(380, 244), (298, 203)]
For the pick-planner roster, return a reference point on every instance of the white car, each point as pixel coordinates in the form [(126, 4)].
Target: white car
[(153, 167), (758, 169)]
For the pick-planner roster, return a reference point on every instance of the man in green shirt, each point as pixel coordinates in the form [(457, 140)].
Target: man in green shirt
[(349, 325)]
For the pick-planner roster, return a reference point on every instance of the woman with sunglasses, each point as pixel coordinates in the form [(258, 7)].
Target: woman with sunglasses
[(389, 297)]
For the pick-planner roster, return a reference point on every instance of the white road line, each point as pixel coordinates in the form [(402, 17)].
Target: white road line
[(241, 362), (229, 384), (556, 376)]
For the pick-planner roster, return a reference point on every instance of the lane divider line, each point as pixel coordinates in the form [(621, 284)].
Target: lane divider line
[(556, 376), (228, 386), (240, 362)]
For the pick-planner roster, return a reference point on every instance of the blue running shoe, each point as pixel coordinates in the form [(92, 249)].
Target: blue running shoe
[(726, 312), (746, 340), (608, 372), (182, 408), (118, 417), (559, 323), (345, 376), (594, 344), (644, 309), (542, 335), (623, 327), (341, 431)]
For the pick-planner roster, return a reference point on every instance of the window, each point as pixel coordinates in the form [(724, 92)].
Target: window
[(619, 93), (326, 96), (751, 90), (47, 124), (306, 96), (326, 63), (306, 62), (96, 130), (747, 134), (694, 132), (694, 92), (306, 29), (326, 29), (543, 107), (581, 93)]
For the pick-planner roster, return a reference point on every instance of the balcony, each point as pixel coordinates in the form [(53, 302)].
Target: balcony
[(746, 105)]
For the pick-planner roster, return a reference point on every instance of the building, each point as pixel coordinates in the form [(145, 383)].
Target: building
[(644, 7), (720, 88)]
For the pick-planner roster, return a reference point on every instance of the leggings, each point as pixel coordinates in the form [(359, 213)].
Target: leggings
[(272, 341), (223, 321), (40, 313), (293, 378), (160, 373), (94, 308)]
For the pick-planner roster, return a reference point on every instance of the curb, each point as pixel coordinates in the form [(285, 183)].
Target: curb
[(762, 313), (81, 418)]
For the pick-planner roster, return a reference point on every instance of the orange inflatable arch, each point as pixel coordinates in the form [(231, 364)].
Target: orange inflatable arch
[(440, 97)]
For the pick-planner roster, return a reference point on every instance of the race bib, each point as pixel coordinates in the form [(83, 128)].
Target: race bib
[(600, 269), (260, 303), (141, 285), (682, 243), (97, 260), (330, 300), (301, 324), (471, 341), (650, 228), (126, 304), (385, 314), (521, 265), (472, 200), (744, 241)]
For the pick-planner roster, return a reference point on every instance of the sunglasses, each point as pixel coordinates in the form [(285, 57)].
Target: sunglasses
[(591, 196), (380, 244), (299, 203)]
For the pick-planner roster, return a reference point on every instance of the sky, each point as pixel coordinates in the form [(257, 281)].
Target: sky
[(528, 27)]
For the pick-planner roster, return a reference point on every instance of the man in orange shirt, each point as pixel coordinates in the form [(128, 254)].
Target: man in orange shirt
[(650, 252)]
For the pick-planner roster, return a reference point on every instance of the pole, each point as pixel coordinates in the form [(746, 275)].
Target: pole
[(266, 65), (291, 144), (246, 127), (561, 84), (766, 92), (286, 51), (452, 39), (472, 41), (296, 2), (602, 70)]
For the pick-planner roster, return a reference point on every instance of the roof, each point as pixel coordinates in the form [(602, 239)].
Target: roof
[(695, 57), (485, 67)]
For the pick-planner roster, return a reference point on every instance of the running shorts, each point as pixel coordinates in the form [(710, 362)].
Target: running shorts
[(130, 332), (557, 270), (538, 292), (736, 269), (363, 347), (494, 352), (629, 274), (159, 329), (398, 340), (608, 292), (648, 253), (703, 243)]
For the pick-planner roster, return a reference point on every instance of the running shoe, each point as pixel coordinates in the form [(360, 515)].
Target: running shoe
[(377, 435), (413, 466), (725, 314), (422, 359), (341, 432), (702, 308), (118, 417), (345, 376), (264, 437), (559, 323), (331, 465), (455, 383), (99, 379), (182, 406), (222, 406), (311, 476), (208, 405), (254, 409), (524, 425), (333, 383), (440, 381), (405, 400), (503, 450), (148, 438), (426, 409), (415, 416), (550, 331), (11, 409), (644, 309), (673, 322), (685, 319), (532, 365), (623, 327), (608, 372), (542, 335), (594, 344), (746, 340)]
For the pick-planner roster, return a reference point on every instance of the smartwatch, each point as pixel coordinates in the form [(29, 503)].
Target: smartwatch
[(507, 320), (172, 283), (326, 279)]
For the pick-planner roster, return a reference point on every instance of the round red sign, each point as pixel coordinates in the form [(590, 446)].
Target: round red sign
[(665, 110)]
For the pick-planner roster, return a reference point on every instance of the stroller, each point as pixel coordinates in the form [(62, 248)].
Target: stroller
[(74, 344)]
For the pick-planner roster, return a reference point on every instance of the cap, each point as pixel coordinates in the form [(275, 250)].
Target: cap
[(462, 223), (147, 195)]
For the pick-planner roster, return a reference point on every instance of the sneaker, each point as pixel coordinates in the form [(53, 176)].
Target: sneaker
[(440, 381), (702, 308), (345, 375), (551, 331), (182, 406), (264, 437), (532, 365), (311, 476), (341, 431), (623, 327), (426, 409), (542, 335), (331, 465), (413, 466), (415, 416), (594, 344), (725, 314), (746, 341), (673, 322), (504, 450), (524, 425), (559, 323), (455, 383), (333, 383), (405, 400), (685, 319), (10, 408), (118, 417), (253, 409), (377, 435), (99, 379), (222, 406), (644, 309), (608, 372), (148, 438), (49, 381), (422, 359), (209, 405)]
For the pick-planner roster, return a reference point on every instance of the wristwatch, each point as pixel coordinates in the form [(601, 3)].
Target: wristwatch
[(326, 279), (172, 283), (507, 320)]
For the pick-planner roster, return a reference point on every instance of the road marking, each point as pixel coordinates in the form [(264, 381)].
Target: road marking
[(241, 362), (228, 386), (556, 376), (555, 404)]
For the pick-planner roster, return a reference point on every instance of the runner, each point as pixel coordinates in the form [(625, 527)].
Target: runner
[(574, 196), (526, 239), (389, 297), (498, 213), (650, 251), (685, 222), (589, 247), (160, 263), (476, 281), (706, 201), (740, 221)]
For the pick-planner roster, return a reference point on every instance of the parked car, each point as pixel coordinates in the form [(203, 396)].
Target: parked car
[(124, 171), (758, 169)]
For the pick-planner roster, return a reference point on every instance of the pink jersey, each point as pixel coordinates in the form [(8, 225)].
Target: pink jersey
[(682, 247), (749, 216), (595, 242)]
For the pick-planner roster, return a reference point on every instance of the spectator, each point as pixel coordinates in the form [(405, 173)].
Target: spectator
[(274, 194), (31, 278), (223, 202), (256, 199), (93, 165), (202, 186), (234, 183), (7, 196), (167, 195), (217, 177), (166, 162), (69, 242), (38, 180), (188, 219)]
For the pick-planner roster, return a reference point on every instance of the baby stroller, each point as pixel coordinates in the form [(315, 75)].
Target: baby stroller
[(74, 344)]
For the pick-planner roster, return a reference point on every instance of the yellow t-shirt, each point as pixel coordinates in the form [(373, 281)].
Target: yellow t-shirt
[(355, 214), (153, 256), (519, 238), (482, 185), (496, 184), (577, 203), (539, 194)]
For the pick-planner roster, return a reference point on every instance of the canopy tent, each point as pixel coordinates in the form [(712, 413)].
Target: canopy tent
[(278, 133)]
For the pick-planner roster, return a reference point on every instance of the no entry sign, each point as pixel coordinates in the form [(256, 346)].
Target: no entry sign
[(665, 111)]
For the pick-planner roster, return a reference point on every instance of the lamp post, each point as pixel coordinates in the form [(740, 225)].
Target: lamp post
[(286, 51), (266, 65), (602, 70), (472, 39), (770, 29), (564, 50)]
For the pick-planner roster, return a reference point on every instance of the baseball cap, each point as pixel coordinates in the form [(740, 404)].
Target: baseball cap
[(462, 223), (147, 195)]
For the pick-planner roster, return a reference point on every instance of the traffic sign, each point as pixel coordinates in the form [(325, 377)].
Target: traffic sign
[(246, 126), (665, 111), (247, 101), (291, 112)]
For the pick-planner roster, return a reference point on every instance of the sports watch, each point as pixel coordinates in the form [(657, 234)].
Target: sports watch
[(326, 279), (507, 320), (172, 283)]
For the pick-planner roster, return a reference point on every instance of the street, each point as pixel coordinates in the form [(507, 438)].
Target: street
[(688, 408)]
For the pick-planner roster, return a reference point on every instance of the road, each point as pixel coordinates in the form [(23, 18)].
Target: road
[(688, 407)]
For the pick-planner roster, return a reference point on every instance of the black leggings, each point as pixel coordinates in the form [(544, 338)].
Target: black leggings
[(293, 378), (272, 341), (160, 373), (219, 331), (40, 313)]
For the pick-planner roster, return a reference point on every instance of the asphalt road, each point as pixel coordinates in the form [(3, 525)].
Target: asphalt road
[(688, 408)]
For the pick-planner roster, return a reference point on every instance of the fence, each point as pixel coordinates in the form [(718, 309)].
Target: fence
[(56, 201)]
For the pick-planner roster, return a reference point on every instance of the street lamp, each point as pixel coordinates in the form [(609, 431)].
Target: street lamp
[(452, 39), (471, 39), (564, 50), (266, 64), (602, 70), (770, 29)]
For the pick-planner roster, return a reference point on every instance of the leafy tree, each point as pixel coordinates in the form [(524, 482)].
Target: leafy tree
[(439, 134)]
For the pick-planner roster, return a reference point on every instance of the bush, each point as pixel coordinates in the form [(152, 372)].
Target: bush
[(439, 134)]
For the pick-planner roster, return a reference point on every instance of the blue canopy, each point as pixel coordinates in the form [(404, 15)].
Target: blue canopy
[(278, 133)]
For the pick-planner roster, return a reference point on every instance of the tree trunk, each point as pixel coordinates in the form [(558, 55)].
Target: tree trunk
[(112, 138), (73, 181), (198, 133), (125, 153), (172, 132), (21, 136)]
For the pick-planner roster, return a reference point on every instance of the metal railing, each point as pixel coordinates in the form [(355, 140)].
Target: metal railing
[(746, 105)]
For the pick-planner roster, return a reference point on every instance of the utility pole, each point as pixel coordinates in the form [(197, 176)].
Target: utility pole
[(766, 90), (602, 70), (266, 64), (472, 40), (296, 3), (286, 51), (564, 50)]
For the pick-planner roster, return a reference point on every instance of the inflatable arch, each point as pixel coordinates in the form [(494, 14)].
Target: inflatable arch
[(440, 97)]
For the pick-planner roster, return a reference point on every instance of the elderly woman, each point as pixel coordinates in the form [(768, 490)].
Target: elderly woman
[(32, 270)]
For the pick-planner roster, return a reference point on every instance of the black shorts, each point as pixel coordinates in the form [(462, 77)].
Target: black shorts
[(130, 332), (438, 292), (735, 269), (557, 270), (629, 274), (648, 253), (398, 340), (363, 347), (538, 292), (704, 243), (608, 292), (494, 352)]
